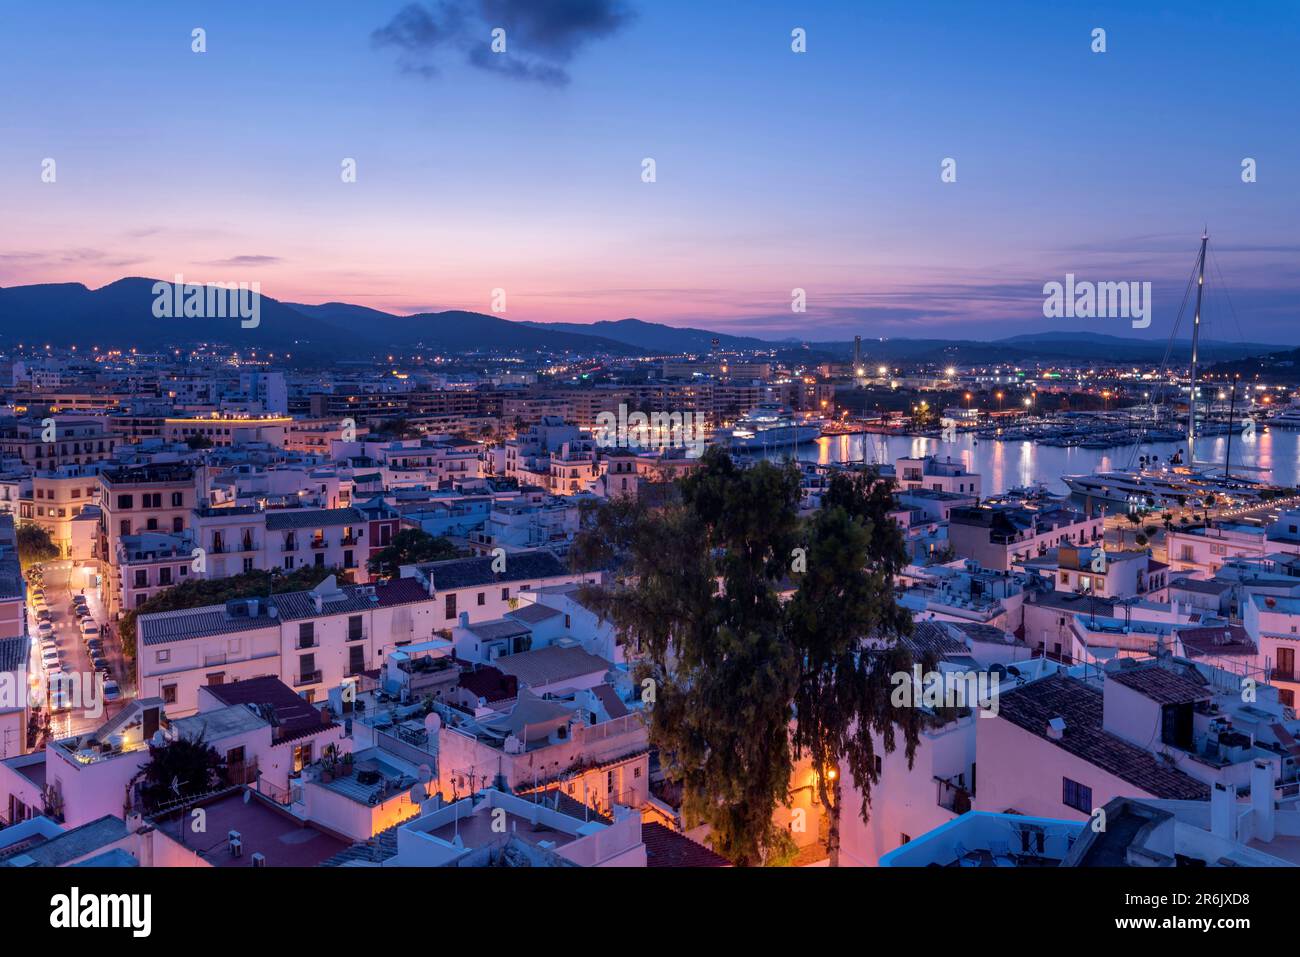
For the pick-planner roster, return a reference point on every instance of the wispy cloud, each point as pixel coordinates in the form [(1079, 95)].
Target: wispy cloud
[(245, 261)]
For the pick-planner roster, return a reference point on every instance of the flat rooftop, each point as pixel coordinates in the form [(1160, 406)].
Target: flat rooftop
[(282, 839)]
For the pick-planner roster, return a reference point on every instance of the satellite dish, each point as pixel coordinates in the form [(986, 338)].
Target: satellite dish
[(426, 773), (158, 740), (432, 722)]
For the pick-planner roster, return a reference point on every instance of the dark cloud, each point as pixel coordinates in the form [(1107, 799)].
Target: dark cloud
[(542, 36)]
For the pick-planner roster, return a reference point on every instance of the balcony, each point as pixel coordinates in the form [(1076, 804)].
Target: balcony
[(349, 540), (289, 546), (319, 543), (310, 678), (305, 643), (952, 797), (357, 636)]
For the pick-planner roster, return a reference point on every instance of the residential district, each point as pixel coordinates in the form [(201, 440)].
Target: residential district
[(352, 591)]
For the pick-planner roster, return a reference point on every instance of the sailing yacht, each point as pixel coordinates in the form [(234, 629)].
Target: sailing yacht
[(1171, 485)]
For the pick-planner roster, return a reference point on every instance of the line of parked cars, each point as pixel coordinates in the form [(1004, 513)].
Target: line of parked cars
[(52, 659)]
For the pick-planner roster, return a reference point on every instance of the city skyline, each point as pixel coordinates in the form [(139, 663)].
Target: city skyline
[(775, 171)]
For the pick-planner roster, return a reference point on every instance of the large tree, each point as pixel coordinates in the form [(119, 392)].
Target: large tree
[(844, 701), (695, 595), (744, 684)]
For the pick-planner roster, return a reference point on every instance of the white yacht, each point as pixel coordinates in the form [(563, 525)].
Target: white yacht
[(768, 428)]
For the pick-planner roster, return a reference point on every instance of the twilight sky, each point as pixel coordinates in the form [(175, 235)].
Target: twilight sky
[(775, 170)]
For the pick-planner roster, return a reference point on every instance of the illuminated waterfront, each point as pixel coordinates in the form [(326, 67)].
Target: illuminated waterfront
[(1008, 464)]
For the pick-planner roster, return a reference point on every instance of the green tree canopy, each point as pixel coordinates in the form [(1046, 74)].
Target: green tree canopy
[(411, 545), (34, 545)]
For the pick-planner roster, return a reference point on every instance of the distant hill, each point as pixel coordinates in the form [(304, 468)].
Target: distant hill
[(453, 330), (121, 315), (1279, 366), (1097, 345), (655, 337)]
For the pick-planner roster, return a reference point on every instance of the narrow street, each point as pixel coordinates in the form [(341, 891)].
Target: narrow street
[(61, 581)]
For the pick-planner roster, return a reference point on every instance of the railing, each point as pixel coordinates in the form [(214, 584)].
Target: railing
[(310, 678), (305, 643), (359, 636), (319, 543), (952, 797), (348, 540), (290, 546)]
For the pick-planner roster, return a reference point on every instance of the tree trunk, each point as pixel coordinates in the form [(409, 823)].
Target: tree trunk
[(833, 825)]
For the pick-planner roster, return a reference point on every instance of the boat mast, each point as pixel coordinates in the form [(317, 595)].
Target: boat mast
[(1196, 339)]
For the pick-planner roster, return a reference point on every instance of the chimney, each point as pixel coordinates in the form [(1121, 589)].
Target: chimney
[(1223, 810), (1056, 728), (1261, 800)]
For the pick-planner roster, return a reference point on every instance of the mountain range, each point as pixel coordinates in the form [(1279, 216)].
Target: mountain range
[(120, 314)]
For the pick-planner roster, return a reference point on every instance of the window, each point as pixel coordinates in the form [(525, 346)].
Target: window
[(217, 678), (142, 578), (356, 659), (126, 501), (164, 576), (169, 694), (904, 839), (450, 606), (355, 631), (178, 524), (505, 594), (163, 655), (482, 598), (178, 499), (307, 635), (1076, 795), (301, 756)]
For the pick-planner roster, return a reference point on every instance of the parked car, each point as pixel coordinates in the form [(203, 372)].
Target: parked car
[(111, 691), (90, 631), (99, 661), (50, 658), (45, 628)]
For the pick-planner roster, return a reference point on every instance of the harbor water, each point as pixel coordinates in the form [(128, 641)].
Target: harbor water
[(1007, 464)]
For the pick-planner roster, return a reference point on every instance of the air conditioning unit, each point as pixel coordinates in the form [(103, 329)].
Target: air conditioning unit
[(259, 859)]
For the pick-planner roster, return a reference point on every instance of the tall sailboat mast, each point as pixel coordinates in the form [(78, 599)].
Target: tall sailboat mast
[(1196, 341)]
